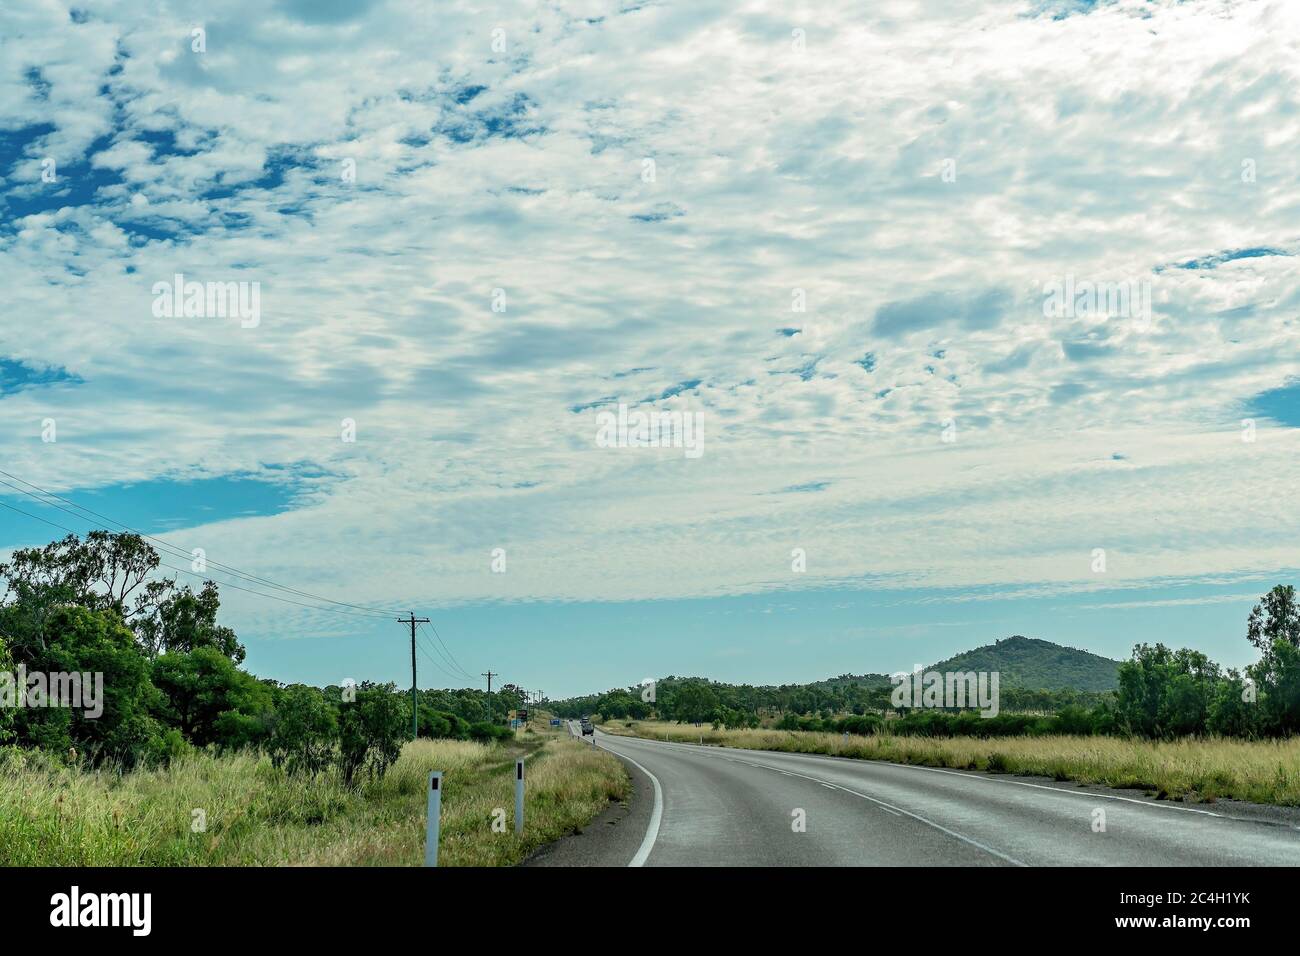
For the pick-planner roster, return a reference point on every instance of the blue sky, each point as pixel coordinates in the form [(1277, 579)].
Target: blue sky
[(827, 232)]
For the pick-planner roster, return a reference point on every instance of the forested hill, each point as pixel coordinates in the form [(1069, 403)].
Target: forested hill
[(1034, 675), (1038, 665), (1024, 662)]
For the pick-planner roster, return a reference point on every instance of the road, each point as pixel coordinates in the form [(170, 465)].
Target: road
[(701, 806)]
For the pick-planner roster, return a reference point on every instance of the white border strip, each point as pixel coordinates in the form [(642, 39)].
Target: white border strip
[(656, 815)]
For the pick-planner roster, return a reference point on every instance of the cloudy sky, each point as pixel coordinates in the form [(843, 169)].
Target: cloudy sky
[(838, 239)]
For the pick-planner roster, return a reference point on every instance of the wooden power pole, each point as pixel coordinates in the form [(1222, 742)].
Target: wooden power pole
[(489, 675), (415, 703)]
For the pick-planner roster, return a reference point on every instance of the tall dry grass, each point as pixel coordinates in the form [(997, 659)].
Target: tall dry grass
[(255, 815)]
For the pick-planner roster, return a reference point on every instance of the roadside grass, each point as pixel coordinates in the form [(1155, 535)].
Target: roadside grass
[(1197, 770), (55, 815)]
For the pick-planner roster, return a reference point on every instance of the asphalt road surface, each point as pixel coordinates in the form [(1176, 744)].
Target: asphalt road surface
[(702, 806)]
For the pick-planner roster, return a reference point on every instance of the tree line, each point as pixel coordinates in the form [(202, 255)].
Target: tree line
[(172, 678), (1162, 693), (698, 700)]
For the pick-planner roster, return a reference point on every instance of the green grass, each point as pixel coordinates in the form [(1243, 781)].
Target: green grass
[(53, 815), (1203, 770)]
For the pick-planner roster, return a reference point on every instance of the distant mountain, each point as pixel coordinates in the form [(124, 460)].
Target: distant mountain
[(1032, 664), (1024, 662)]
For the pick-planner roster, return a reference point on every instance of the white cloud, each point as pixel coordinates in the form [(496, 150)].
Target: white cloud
[(1102, 146)]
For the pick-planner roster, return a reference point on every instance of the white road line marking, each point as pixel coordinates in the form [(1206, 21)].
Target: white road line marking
[(1088, 794), (656, 816), (916, 816), (1060, 790)]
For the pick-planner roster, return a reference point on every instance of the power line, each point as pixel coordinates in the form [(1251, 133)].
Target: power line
[(447, 655), (442, 654), (169, 567), (455, 680), (274, 597), (435, 663), (175, 549), (448, 650), (357, 610)]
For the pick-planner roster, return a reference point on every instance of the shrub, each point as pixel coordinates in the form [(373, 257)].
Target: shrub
[(163, 748), (859, 724), (302, 739), (372, 729), (434, 724), (484, 732)]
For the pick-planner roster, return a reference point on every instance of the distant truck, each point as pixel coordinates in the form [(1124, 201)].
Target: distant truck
[(587, 729)]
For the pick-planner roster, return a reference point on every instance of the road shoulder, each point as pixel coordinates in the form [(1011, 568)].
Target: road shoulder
[(613, 837)]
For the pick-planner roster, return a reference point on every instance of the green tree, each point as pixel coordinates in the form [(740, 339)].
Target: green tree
[(305, 727), (509, 697), (1192, 684), (1274, 628), (1233, 711), (372, 729), (198, 687), (109, 571), (694, 702), (1274, 620), (1166, 693), (185, 621), (6, 713), (100, 572), (95, 642)]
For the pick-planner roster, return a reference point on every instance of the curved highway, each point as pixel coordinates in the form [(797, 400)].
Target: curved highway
[(698, 806)]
